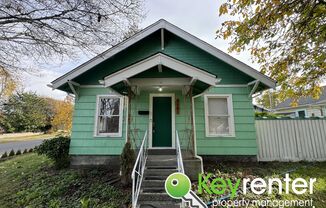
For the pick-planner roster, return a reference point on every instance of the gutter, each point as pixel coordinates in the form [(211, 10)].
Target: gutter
[(299, 106)]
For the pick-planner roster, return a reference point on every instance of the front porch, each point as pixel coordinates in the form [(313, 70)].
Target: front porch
[(148, 114), (146, 111), (160, 91)]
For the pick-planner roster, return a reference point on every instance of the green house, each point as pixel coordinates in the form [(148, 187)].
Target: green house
[(169, 87)]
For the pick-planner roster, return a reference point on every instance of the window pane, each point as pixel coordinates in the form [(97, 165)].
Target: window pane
[(218, 125), (108, 124), (109, 106), (302, 114), (217, 106)]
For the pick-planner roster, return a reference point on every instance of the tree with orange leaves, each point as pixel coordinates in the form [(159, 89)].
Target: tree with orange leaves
[(62, 118)]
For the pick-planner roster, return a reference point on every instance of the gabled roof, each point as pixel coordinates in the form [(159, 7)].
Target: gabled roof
[(304, 101), (163, 24), (160, 59)]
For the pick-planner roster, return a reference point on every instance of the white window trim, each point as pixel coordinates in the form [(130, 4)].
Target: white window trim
[(305, 113), (230, 112), (119, 134)]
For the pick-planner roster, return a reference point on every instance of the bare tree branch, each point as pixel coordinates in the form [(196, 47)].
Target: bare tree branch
[(40, 29)]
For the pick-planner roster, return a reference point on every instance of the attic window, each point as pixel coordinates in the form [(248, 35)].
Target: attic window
[(109, 116), (219, 116)]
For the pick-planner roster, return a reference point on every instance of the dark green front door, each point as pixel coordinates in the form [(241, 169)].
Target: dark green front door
[(162, 122)]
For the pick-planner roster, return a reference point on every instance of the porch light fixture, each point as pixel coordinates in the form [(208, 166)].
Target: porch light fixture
[(160, 89)]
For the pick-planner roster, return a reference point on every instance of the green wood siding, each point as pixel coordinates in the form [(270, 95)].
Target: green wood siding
[(244, 142), (83, 141), (180, 49), (183, 121), (139, 123)]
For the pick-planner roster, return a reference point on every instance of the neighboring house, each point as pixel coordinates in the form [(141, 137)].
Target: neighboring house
[(307, 107), (162, 80), (260, 109)]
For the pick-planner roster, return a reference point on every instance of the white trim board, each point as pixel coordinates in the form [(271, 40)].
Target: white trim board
[(150, 125), (160, 59), (159, 81), (230, 115), (163, 24), (119, 133), (232, 85)]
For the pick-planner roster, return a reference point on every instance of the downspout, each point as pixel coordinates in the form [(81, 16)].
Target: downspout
[(129, 114), (127, 117), (194, 128)]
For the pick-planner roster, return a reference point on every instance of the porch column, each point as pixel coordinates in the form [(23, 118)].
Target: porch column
[(192, 121)]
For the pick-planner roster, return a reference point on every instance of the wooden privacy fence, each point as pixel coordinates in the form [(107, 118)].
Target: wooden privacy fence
[(291, 140)]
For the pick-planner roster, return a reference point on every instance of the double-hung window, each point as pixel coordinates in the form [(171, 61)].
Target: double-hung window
[(219, 115), (109, 116)]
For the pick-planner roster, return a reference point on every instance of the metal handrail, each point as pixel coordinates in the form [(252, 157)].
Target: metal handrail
[(138, 170), (179, 159), (179, 154)]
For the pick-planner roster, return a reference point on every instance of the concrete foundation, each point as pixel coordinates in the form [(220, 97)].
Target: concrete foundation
[(87, 161), (192, 165), (192, 168)]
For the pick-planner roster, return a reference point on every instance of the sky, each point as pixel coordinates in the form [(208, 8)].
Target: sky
[(198, 17)]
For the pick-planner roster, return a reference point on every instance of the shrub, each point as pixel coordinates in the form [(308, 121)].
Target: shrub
[(12, 153), (266, 115), (127, 163), (31, 150), (57, 149), (4, 155), (18, 152), (25, 151), (85, 203)]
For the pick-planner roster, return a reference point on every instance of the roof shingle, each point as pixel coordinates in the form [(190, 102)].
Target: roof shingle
[(304, 101)]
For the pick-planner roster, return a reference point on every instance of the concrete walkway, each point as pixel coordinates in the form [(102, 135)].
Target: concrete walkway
[(7, 147)]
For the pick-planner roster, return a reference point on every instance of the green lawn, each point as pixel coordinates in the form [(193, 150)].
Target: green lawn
[(239, 170), (30, 181)]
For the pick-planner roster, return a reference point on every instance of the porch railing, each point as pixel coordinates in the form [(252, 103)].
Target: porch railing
[(179, 153), (179, 159), (138, 170)]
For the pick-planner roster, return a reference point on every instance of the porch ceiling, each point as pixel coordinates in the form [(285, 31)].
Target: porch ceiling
[(153, 82), (164, 85)]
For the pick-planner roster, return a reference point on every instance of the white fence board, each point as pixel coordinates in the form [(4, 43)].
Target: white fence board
[(291, 140)]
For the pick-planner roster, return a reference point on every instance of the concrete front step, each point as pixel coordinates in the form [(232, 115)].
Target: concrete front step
[(151, 163), (153, 183), (151, 204), (159, 167), (153, 190), (157, 197), (155, 178), (161, 152), (159, 172), (161, 160), (161, 157)]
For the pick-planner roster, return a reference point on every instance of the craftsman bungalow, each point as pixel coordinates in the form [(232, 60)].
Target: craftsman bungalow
[(166, 85)]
